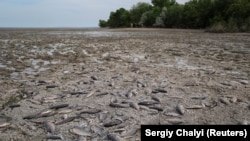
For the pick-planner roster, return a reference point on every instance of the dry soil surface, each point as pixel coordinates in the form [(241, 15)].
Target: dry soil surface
[(102, 84)]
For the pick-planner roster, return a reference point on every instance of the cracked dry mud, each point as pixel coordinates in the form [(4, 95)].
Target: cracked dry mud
[(102, 84)]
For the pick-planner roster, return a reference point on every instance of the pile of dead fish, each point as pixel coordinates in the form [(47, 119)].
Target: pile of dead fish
[(114, 127)]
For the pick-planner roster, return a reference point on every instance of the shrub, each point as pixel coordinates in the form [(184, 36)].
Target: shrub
[(232, 25), (103, 23), (247, 23), (217, 28)]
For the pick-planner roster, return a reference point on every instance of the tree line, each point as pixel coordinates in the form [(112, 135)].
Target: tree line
[(213, 15)]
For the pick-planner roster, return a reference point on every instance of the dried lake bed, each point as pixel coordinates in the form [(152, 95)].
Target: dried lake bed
[(102, 84)]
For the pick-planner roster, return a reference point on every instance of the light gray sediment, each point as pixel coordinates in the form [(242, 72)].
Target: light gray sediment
[(69, 84)]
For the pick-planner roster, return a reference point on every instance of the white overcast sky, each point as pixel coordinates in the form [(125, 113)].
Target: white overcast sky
[(60, 13)]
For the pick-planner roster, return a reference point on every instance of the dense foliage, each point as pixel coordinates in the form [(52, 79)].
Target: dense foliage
[(215, 15)]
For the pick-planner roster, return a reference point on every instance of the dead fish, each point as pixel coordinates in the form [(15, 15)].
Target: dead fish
[(64, 95), (141, 83), (125, 101), (122, 118), (129, 94), (41, 82), (134, 105), (135, 70), (199, 97), (97, 129), (131, 132), (50, 101), (58, 106), (178, 97), (101, 94), (47, 113), (82, 138), (32, 116), (117, 105), (159, 90), (226, 84), (233, 99), (180, 108), (55, 137), (156, 107), (90, 111), (189, 84), (154, 91), (122, 125), (64, 111), (113, 100), (156, 98), (52, 97), (102, 116), (38, 102), (77, 93), (118, 130), (69, 119), (51, 86), (112, 83), (90, 94), (4, 124), (80, 131), (224, 100), (148, 91), (196, 106), (134, 92), (175, 121), (148, 109), (146, 103), (114, 137), (50, 127), (210, 104), (94, 78), (244, 122), (14, 106), (112, 123), (172, 114), (244, 82)]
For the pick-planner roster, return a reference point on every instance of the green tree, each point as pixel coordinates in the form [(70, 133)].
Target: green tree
[(148, 18), (221, 8), (137, 10), (173, 16), (163, 3), (160, 20), (205, 12), (190, 14), (103, 23), (119, 18), (239, 15), (218, 15)]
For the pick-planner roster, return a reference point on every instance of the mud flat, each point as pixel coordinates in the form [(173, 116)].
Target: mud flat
[(102, 84)]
